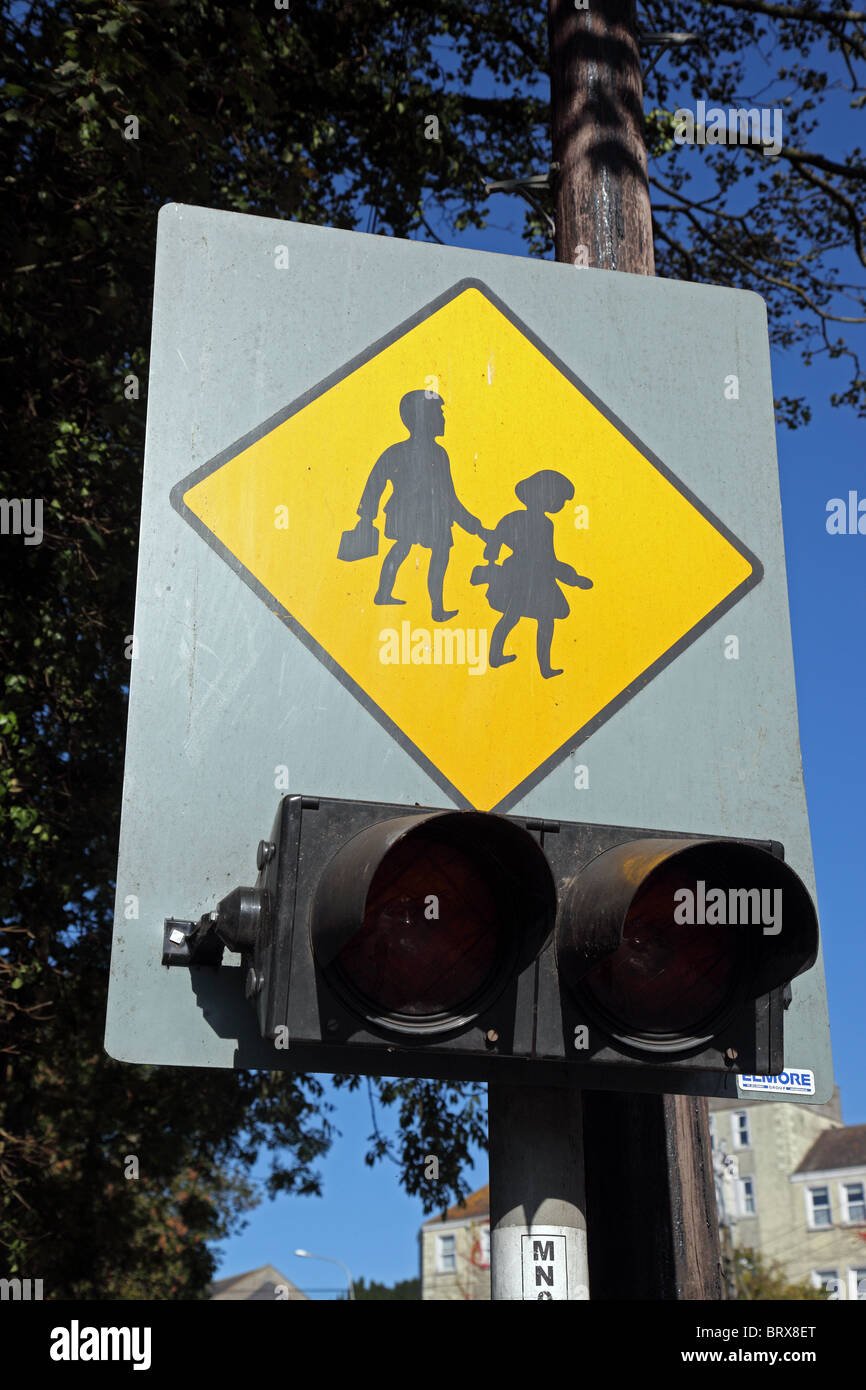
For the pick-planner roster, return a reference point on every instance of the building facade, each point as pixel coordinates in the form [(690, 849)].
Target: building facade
[(790, 1184), (455, 1251), (830, 1191)]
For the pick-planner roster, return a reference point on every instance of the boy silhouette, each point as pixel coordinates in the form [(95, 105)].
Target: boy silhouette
[(423, 506)]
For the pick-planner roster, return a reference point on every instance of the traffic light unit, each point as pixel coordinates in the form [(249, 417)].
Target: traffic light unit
[(465, 945)]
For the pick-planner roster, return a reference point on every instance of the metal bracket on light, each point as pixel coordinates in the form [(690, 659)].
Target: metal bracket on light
[(676, 38), (522, 186)]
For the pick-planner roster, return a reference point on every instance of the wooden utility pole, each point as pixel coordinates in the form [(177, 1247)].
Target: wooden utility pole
[(596, 99), (651, 1212)]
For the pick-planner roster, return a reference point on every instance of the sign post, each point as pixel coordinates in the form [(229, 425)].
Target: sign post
[(537, 1203)]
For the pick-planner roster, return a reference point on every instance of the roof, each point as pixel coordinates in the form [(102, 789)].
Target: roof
[(477, 1204), (836, 1148), (256, 1286)]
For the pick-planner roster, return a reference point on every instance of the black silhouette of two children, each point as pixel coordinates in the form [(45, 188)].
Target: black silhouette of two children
[(424, 507)]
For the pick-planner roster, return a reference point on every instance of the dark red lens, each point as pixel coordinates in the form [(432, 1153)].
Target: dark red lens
[(432, 934), (666, 977)]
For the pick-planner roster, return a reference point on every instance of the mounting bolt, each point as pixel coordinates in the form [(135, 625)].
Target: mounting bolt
[(254, 982), (491, 1036), (730, 1054), (332, 1025), (264, 853)]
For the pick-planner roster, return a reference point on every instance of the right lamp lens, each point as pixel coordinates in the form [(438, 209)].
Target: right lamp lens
[(667, 976)]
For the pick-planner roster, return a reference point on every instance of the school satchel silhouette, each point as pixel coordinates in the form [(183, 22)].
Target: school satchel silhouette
[(526, 584), (362, 543)]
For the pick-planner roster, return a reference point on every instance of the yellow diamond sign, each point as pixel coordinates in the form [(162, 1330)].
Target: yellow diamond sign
[(477, 548)]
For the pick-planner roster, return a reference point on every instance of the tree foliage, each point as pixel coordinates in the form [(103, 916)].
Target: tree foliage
[(764, 1281), (405, 1290), (318, 113), (789, 226)]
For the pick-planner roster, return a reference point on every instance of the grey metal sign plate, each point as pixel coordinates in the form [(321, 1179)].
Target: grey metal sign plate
[(237, 696)]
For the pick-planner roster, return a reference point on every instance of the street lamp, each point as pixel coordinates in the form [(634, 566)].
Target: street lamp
[(307, 1254)]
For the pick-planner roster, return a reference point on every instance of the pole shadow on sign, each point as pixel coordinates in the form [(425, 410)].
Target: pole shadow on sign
[(423, 509)]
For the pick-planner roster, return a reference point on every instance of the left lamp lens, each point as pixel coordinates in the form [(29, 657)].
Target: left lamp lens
[(432, 936), (420, 922)]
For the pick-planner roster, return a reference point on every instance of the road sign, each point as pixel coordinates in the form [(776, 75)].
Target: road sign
[(598, 448), (493, 419)]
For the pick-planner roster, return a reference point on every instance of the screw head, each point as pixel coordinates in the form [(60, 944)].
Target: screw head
[(253, 983), (731, 1054), (332, 1025), (492, 1036), (264, 853)]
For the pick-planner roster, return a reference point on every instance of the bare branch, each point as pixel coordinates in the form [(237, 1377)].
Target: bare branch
[(808, 13)]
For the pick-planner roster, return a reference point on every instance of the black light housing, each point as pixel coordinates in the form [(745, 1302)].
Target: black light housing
[(458, 944)]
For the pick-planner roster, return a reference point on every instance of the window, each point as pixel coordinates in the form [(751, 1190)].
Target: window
[(747, 1197), (740, 1121), (857, 1283), (853, 1202), (827, 1279), (446, 1254), (819, 1210)]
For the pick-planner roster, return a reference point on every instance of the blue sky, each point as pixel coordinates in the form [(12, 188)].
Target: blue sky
[(827, 589), (364, 1218)]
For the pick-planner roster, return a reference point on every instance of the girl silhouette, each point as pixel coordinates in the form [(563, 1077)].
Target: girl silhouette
[(525, 584)]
